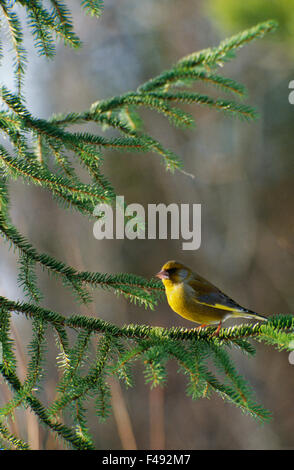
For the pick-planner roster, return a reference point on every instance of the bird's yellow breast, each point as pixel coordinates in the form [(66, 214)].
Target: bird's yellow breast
[(183, 300)]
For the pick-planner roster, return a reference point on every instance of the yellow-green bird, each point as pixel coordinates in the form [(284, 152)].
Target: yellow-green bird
[(196, 299)]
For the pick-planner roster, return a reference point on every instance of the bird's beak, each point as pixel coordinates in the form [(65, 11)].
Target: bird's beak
[(162, 274)]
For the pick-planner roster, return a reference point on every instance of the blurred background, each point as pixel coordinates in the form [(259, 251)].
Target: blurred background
[(243, 179)]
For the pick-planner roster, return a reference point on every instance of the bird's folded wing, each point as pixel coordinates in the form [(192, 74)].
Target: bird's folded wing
[(207, 294)]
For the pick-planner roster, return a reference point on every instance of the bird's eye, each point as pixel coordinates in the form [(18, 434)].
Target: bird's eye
[(171, 270)]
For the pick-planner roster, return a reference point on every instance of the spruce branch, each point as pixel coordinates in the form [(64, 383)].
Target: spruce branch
[(230, 107), (12, 440), (154, 346), (46, 23), (93, 7), (155, 94), (8, 358), (34, 369), (180, 77), (226, 49), (64, 432), (277, 323), (16, 34), (134, 288)]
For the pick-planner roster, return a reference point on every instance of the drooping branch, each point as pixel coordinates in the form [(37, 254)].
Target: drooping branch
[(62, 431)]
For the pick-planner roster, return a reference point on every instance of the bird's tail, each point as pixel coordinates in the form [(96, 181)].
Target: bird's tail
[(249, 314)]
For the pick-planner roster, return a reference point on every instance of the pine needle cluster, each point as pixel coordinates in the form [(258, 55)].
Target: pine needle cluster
[(43, 152)]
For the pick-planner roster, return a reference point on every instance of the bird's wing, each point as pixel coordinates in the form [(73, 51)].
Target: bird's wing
[(207, 294)]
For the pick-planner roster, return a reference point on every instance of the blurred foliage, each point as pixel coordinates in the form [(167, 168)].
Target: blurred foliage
[(232, 16)]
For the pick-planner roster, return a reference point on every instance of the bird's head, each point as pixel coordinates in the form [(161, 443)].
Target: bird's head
[(173, 272)]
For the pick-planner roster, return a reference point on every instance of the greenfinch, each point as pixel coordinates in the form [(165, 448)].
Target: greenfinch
[(196, 299)]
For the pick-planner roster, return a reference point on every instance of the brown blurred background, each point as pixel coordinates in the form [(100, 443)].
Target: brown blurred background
[(243, 178)]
